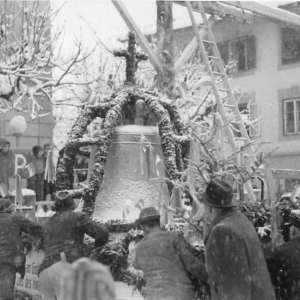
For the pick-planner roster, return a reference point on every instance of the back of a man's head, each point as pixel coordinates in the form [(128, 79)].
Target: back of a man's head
[(87, 280), (151, 224), (64, 201)]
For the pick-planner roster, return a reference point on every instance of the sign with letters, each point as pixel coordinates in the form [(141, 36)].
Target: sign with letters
[(30, 282)]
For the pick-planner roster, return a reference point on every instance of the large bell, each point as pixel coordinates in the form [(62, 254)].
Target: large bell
[(124, 185)]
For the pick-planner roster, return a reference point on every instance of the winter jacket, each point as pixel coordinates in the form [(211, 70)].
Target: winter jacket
[(165, 259), (64, 233), (236, 266), (11, 246), (284, 267), (38, 163), (7, 166)]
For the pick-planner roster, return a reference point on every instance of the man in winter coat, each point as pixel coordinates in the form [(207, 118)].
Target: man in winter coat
[(12, 259), (63, 236), (165, 259), (7, 165), (36, 182), (284, 263), (235, 263)]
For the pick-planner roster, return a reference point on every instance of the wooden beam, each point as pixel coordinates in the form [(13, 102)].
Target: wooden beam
[(141, 38), (165, 47), (224, 10), (285, 174), (190, 48), (272, 13), (269, 181)]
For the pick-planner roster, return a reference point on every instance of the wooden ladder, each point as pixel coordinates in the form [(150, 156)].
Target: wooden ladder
[(221, 89)]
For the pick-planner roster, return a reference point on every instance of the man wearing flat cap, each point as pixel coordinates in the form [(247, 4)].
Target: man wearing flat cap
[(235, 263), (165, 259), (12, 258), (284, 263), (63, 236)]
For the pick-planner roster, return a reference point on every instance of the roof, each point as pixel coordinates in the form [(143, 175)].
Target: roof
[(247, 7), (268, 12)]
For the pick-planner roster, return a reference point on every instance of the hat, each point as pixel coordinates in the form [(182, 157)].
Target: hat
[(148, 214), (295, 218), (6, 205), (218, 193), (62, 195), (63, 199)]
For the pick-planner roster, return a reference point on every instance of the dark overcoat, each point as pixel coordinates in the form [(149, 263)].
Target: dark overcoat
[(284, 267), (236, 266), (166, 259)]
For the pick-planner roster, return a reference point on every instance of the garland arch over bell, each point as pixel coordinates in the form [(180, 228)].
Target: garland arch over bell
[(172, 131)]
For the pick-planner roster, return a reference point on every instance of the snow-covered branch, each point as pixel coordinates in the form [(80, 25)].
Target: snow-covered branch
[(29, 58)]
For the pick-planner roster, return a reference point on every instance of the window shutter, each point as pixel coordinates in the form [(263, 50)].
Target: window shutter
[(251, 53), (254, 119)]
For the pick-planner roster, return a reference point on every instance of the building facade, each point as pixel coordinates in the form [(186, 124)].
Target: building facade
[(267, 69), (264, 56)]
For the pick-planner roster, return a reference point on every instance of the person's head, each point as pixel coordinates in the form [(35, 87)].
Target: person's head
[(295, 224), (88, 280), (64, 201), (217, 198), (149, 219), (6, 206), (3, 142), (6, 147), (61, 152), (37, 151), (47, 148)]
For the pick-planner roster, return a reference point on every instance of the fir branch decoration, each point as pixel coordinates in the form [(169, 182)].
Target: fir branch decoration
[(175, 144)]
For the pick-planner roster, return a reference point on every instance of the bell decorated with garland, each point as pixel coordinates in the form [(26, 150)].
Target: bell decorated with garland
[(139, 151)]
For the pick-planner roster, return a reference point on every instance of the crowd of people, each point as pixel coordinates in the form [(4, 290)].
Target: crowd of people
[(235, 267), (37, 182)]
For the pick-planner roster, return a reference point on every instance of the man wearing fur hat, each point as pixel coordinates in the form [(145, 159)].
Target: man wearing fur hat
[(165, 259), (284, 263), (12, 259), (63, 236), (235, 263)]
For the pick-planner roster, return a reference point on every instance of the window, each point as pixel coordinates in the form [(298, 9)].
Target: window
[(250, 114), (291, 116), (238, 55), (290, 46)]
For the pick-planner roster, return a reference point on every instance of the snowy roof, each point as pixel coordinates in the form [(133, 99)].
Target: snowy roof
[(261, 9)]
